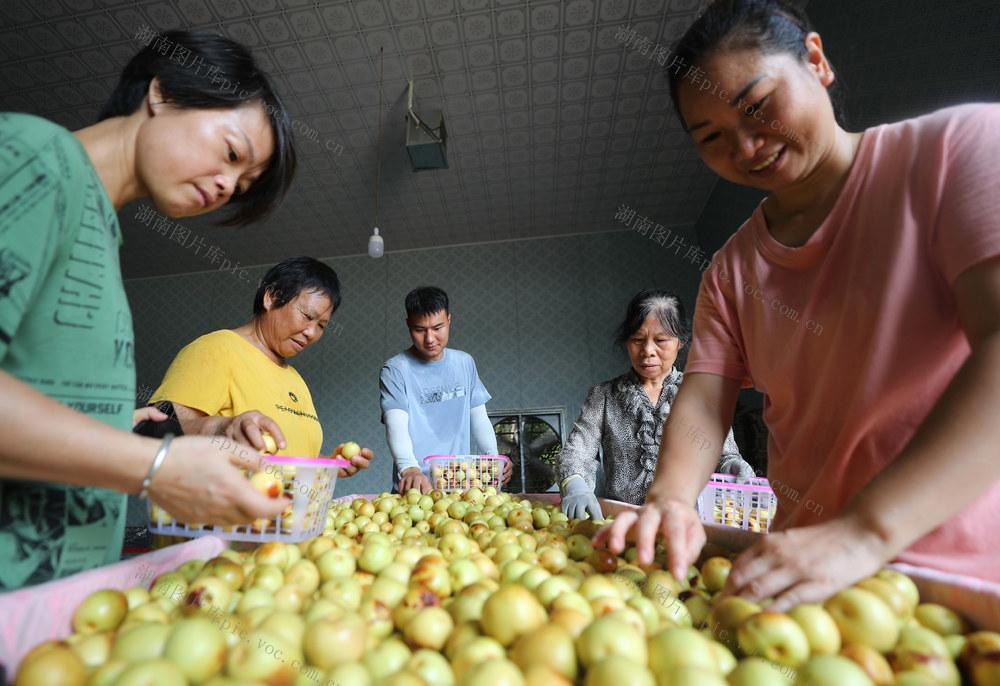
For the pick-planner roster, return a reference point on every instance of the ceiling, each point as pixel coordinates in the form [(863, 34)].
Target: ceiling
[(553, 121)]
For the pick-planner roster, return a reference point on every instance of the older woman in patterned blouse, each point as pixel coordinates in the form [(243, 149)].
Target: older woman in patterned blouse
[(626, 415)]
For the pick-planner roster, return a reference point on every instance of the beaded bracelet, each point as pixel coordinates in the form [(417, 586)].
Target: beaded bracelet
[(157, 461)]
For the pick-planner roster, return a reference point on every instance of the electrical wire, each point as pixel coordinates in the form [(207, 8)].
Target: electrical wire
[(378, 148)]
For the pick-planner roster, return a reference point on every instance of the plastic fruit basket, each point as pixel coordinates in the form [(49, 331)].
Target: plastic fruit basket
[(461, 472), (745, 506), (308, 482)]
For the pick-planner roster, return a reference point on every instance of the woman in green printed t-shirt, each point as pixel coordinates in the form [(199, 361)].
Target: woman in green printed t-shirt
[(191, 143)]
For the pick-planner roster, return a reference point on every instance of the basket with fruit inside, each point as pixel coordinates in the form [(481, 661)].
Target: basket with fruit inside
[(451, 473), (745, 506), (307, 482)]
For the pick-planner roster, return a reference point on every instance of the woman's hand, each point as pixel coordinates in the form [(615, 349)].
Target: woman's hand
[(247, 428), (677, 521), (358, 462), (148, 412), (738, 467), (578, 500), (706, 401), (808, 564), (199, 481)]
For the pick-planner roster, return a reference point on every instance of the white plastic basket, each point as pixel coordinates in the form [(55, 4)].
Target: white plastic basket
[(308, 482), (462, 472), (745, 506)]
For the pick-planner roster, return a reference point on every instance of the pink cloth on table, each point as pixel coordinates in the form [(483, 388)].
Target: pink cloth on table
[(854, 336), (32, 615)]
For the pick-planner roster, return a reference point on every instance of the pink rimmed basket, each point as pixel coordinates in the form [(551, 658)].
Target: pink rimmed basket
[(745, 506), (451, 473), (308, 482)]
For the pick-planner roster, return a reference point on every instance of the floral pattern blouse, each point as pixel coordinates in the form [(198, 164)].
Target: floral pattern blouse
[(619, 418)]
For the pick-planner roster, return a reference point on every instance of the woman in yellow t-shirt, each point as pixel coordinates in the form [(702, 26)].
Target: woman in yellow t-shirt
[(238, 383)]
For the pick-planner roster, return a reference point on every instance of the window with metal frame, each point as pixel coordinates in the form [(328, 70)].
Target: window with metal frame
[(532, 439)]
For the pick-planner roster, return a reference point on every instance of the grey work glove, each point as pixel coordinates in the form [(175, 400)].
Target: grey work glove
[(578, 500), (738, 467)]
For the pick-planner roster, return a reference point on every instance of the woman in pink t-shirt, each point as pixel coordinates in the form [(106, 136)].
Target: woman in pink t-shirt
[(862, 298)]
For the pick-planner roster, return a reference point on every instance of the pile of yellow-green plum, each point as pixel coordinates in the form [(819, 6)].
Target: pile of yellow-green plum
[(485, 589)]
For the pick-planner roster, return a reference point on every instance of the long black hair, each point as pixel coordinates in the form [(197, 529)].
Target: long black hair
[(198, 70), (766, 26)]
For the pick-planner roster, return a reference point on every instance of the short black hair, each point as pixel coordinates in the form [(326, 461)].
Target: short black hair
[(767, 26), (236, 81), (426, 300), (667, 307), (287, 279)]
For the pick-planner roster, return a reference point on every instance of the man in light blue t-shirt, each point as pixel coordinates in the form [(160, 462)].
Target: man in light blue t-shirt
[(431, 396)]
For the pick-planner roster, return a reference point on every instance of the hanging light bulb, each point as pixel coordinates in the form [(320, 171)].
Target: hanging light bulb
[(376, 246)]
